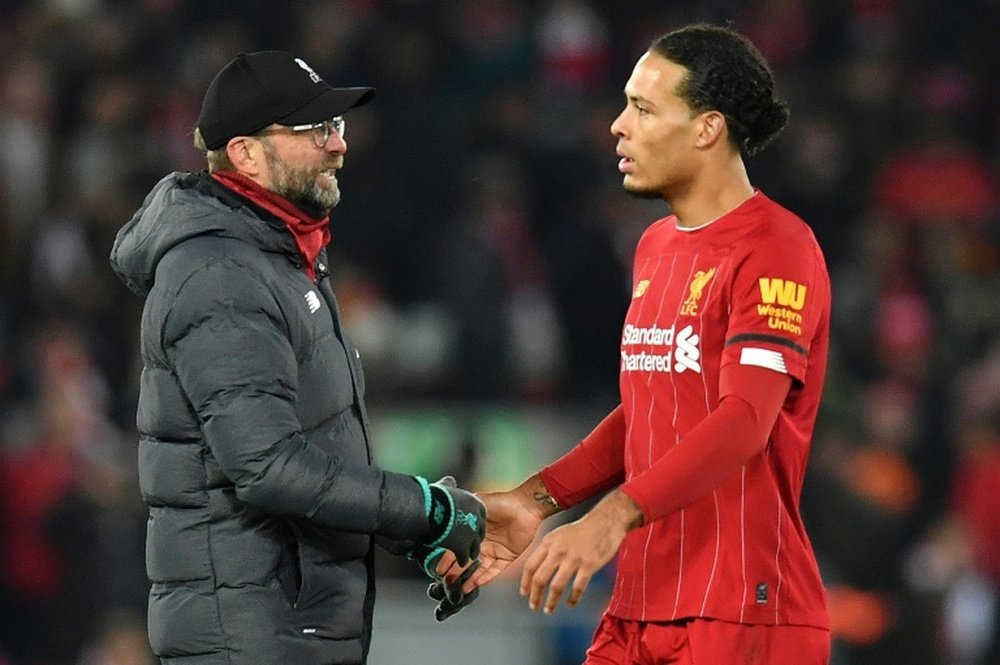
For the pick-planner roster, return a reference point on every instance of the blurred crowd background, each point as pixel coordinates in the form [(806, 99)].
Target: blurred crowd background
[(482, 256)]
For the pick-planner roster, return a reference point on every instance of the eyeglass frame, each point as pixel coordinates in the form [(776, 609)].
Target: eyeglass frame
[(336, 125)]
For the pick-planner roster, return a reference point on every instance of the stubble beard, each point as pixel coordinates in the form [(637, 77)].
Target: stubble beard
[(299, 185), (642, 192)]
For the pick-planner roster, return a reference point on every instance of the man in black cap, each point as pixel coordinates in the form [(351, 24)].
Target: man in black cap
[(254, 454)]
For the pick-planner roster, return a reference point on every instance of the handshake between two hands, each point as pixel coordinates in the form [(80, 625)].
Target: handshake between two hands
[(457, 526), (563, 562)]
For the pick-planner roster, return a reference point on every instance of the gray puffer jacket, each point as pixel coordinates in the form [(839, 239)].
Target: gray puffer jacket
[(253, 454)]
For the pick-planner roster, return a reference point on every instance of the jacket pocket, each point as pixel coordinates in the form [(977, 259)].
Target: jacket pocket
[(327, 572), (290, 567), (302, 577)]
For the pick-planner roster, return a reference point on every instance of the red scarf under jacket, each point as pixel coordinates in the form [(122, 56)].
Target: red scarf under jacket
[(311, 234)]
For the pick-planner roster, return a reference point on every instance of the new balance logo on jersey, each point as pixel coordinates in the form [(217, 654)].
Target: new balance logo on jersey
[(313, 301), (682, 355)]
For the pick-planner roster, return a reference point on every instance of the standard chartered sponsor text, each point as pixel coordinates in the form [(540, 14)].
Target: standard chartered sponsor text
[(651, 335), (684, 357), (645, 362)]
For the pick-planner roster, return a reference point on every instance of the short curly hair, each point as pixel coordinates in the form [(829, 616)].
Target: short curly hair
[(726, 73)]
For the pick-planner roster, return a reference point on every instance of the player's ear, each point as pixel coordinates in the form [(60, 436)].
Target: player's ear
[(711, 127)]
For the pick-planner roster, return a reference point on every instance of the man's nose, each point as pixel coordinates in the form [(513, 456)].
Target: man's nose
[(336, 144), (616, 126)]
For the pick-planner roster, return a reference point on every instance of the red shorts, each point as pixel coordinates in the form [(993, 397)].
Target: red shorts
[(706, 642)]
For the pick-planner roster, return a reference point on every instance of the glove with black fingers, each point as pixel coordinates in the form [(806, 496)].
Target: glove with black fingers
[(457, 519), (450, 598)]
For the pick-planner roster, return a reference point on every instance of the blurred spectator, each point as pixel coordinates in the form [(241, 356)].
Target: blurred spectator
[(27, 111), (573, 46), (863, 476), (939, 183), (494, 45), (120, 641), (974, 637), (54, 483), (976, 493), (783, 29)]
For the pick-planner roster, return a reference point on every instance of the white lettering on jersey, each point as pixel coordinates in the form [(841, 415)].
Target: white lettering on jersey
[(682, 355)]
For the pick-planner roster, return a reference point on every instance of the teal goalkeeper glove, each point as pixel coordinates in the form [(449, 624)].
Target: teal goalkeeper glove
[(457, 519), (450, 598)]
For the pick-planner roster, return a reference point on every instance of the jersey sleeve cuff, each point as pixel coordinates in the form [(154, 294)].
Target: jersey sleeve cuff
[(630, 490), (557, 490)]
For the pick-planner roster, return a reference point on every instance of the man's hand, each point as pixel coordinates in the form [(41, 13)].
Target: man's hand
[(576, 551), (457, 519), (512, 522), (449, 594), (510, 528)]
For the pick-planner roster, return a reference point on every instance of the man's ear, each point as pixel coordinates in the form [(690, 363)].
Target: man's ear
[(711, 128), (246, 155)]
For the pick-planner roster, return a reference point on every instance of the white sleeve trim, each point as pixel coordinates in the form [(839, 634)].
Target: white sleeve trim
[(763, 358)]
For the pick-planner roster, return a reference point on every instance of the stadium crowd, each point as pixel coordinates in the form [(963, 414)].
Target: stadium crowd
[(481, 255)]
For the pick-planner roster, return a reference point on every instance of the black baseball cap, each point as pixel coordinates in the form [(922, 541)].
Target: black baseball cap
[(257, 89)]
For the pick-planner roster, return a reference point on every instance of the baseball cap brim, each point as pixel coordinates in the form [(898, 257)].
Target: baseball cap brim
[(328, 104)]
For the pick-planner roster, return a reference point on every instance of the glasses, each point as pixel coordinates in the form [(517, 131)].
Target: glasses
[(321, 131)]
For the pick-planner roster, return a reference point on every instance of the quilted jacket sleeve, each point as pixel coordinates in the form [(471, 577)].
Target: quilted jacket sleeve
[(226, 339)]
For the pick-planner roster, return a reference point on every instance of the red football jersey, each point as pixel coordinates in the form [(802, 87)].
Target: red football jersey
[(749, 288)]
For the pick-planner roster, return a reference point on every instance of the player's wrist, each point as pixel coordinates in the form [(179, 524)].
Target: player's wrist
[(537, 498), (621, 510)]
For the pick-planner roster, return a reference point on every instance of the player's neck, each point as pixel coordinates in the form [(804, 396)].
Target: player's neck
[(713, 194)]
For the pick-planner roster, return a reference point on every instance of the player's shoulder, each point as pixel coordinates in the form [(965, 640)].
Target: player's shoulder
[(656, 233), (777, 224), (661, 224), (781, 250)]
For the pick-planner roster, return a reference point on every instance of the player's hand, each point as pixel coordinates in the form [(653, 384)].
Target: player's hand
[(511, 525), (573, 552), (457, 519)]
